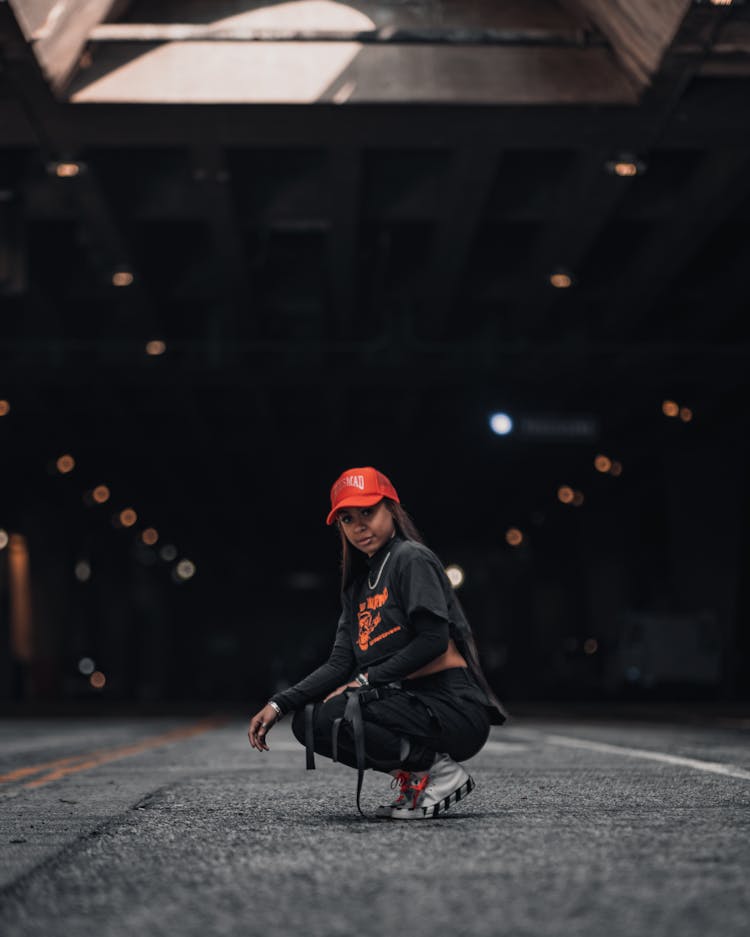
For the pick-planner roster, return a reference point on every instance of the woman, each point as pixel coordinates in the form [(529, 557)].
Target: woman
[(402, 690)]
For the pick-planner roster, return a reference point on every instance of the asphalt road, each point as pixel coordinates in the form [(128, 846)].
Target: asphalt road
[(173, 827)]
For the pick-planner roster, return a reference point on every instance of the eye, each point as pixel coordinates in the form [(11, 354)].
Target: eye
[(365, 512), (345, 518)]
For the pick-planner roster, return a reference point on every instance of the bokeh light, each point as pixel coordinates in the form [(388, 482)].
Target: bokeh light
[(155, 347), (455, 574), (97, 680), (602, 463), (65, 464), (577, 499), (513, 536), (122, 278), (128, 517), (185, 569), (149, 536), (616, 469), (561, 281), (4, 407), (82, 571), (168, 552), (686, 414), (501, 424), (670, 408), (101, 494), (590, 646), (86, 666), (67, 170), (565, 494), (3, 538)]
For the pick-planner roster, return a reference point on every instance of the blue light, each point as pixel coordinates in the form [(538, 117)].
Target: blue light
[(501, 424)]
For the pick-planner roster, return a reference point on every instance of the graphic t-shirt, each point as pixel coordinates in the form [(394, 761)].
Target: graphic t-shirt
[(393, 621), (401, 601)]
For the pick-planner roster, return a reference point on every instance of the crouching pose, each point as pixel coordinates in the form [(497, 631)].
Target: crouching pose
[(402, 691)]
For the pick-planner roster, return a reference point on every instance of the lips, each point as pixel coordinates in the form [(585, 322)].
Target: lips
[(363, 543)]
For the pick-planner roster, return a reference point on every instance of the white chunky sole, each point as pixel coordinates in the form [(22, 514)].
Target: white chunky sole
[(433, 810)]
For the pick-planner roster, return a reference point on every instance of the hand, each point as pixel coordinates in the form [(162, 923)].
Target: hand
[(340, 690), (260, 725)]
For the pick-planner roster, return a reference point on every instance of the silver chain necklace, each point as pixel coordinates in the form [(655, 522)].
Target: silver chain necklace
[(372, 585)]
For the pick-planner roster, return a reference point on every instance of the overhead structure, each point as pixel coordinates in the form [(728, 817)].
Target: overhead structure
[(550, 185)]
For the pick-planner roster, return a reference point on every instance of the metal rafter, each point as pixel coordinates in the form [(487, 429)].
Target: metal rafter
[(469, 180), (345, 183), (571, 232), (720, 181), (56, 136), (212, 176)]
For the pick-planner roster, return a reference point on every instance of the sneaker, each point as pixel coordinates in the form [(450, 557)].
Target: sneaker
[(401, 783), (432, 792)]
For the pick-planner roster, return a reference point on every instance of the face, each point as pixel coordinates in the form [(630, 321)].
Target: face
[(367, 529)]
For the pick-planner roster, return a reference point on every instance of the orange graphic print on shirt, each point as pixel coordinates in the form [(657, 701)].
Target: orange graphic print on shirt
[(368, 623)]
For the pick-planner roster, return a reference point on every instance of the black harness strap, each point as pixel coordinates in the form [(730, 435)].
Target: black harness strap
[(355, 698), (309, 737), (353, 715), (335, 738)]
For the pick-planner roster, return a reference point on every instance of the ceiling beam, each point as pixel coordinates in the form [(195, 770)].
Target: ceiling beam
[(58, 31), (345, 196), (639, 31), (570, 232), (181, 19), (718, 184), (13, 247), (693, 125), (104, 239), (468, 182), (223, 72), (212, 177)]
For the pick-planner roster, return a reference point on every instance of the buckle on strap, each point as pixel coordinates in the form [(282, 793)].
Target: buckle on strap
[(369, 694)]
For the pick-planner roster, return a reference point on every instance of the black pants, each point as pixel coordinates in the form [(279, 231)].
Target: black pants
[(443, 712)]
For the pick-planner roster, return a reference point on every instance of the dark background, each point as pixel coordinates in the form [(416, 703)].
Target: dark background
[(366, 284)]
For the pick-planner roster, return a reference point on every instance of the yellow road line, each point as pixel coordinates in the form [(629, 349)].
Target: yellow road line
[(19, 773), (62, 767)]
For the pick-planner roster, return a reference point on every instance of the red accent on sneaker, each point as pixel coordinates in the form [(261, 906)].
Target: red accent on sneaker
[(417, 789), (401, 780)]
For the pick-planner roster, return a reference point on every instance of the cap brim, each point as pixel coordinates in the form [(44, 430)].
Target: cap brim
[(353, 501)]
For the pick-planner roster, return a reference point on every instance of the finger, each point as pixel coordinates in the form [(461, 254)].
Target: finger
[(253, 733), (261, 730)]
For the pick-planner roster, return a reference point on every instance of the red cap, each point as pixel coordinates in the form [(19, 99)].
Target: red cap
[(359, 488)]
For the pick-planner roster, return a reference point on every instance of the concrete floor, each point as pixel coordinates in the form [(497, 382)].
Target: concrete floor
[(578, 827)]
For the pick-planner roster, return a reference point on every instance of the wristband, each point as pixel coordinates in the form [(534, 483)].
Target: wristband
[(276, 706), (362, 680)]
